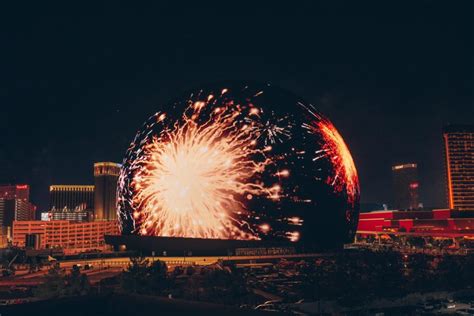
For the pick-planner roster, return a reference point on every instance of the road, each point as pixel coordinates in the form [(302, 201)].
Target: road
[(108, 267), (174, 261), (37, 278)]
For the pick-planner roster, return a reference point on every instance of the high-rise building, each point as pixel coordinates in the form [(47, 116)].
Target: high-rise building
[(2, 211), (71, 198), (15, 204), (19, 191), (459, 154), (405, 186), (16, 210), (5, 236), (105, 197)]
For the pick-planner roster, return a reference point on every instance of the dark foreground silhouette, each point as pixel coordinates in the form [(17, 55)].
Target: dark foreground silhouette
[(121, 304)]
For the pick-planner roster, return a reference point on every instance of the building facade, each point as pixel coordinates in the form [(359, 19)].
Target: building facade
[(70, 198), (459, 157), (405, 186), (75, 216), (435, 223), (105, 198), (73, 237), (2, 212), (15, 204), (11, 192), (16, 210), (5, 236)]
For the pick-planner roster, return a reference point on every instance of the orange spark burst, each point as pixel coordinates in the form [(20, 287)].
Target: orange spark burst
[(336, 151), (193, 177), (295, 220), (293, 236), (284, 173), (265, 228), (254, 111)]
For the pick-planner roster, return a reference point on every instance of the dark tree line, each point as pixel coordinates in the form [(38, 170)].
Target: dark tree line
[(59, 284)]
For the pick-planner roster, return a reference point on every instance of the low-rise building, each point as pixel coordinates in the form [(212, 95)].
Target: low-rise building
[(72, 237), (435, 223)]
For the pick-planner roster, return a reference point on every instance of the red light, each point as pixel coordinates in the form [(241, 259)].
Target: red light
[(22, 187), (414, 185)]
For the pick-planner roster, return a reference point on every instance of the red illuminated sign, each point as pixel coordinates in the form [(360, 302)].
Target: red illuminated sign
[(414, 185)]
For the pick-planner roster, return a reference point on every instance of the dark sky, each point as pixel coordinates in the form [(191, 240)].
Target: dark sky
[(76, 83)]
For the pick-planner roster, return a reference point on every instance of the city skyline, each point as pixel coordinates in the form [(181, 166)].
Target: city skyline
[(366, 79), (309, 157), (388, 200)]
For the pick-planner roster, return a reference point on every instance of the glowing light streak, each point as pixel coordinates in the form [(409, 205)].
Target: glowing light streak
[(293, 236), (295, 221), (274, 131), (334, 149), (265, 228)]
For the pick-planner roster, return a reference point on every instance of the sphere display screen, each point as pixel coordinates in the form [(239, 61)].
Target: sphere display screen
[(238, 161)]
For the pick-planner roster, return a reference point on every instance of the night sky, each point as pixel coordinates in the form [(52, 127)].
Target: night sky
[(77, 83)]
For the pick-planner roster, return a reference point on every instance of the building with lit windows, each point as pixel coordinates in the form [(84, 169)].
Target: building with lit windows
[(459, 154), (73, 216), (5, 236), (71, 198), (11, 192), (2, 211), (72, 237), (16, 210), (434, 223), (405, 186), (15, 204), (105, 197)]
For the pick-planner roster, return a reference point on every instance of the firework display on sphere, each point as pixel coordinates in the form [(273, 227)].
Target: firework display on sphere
[(238, 161)]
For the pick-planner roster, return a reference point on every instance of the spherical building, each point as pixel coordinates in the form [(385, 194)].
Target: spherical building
[(241, 162)]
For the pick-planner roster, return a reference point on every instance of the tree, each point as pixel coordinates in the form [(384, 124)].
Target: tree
[(54, 284), (58, 284), (77, 283), (145, 278), (135, 276), (157, 280), (33, 266)]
